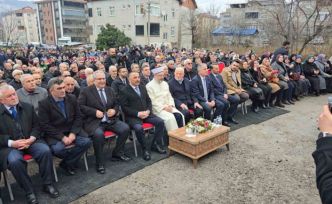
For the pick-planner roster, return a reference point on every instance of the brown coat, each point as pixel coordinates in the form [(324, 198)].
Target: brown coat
[(229, 82), (271, 77)]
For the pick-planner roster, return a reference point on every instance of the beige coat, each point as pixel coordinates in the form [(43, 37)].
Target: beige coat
[(229, 82), (267, 73)]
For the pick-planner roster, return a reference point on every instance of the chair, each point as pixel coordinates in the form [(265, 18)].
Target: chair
[(146, 127), (244, 108)]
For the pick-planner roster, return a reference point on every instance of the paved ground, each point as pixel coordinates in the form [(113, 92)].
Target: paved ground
[(268, 163)]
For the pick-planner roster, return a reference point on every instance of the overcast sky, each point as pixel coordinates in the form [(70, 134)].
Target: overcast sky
[(222, 4)]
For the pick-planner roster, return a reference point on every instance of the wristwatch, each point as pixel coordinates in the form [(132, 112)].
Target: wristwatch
[(324, 134)]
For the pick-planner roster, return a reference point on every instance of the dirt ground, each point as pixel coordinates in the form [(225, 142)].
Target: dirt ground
[(268, 163)]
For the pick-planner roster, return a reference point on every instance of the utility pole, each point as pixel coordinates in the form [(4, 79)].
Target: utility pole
[(148, 27)]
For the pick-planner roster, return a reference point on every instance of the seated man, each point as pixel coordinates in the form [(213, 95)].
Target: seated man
[(19, 134), (70, 86), (137, 107), (180, 90), (100, 109), (232, 78), (203, 94), (113, 74), (61, 121), (145, 74), (30, 92), (162, 101), (121, 81), (189, 71)]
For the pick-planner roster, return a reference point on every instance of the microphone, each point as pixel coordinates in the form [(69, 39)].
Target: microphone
[(329, 99)]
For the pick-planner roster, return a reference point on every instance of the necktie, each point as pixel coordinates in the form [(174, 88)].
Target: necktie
[(61, 105), (137, 91), (124, 82), (14, 112), (205, 89), (102, 97)]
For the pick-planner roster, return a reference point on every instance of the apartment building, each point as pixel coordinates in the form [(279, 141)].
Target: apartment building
[(20, 26), (144, 21), (62, 19)]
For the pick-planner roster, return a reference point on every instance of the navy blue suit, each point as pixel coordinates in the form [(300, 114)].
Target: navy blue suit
[(198, 96), (182, 95)]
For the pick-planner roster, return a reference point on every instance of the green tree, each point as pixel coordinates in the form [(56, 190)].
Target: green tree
[(111, 37)]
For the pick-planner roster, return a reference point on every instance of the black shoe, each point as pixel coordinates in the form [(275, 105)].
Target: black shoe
[(255, 110), (271, 105), (69, 170), (100, 169), (285, 102), (31, 199), (232, 120), (291, 102), (279, 105), (121, 157), (146, 155), (225, 123), (51, 190), (264, 106), (157, 148)]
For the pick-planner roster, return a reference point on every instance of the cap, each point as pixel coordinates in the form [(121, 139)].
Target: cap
[(157, 70)]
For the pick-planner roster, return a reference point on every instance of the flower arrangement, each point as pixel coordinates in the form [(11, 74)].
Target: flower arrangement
[(199, 125)]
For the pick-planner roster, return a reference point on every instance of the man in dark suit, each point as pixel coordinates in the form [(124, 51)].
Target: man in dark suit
[(19, 134), (137, 107), (60, 120), (220, 92), (111, 59), (145, 74), (100, 108), (121, 81), (203, 94), (112, 75), (70, 86), (180, 90)]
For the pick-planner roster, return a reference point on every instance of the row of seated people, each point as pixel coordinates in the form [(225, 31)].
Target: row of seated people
[(45, 125)]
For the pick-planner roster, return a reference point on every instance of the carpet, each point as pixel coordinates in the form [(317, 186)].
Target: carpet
[(73, 187)]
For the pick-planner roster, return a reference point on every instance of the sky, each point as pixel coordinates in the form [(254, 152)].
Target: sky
[(203, 5)]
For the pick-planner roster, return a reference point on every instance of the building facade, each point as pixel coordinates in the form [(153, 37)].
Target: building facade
[(20, 26), (144, 21), (62, 19)]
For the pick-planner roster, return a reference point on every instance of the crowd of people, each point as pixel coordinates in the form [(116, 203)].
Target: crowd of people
[(57, 102)]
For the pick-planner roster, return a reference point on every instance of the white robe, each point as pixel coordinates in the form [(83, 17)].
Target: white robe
[(160, 98)]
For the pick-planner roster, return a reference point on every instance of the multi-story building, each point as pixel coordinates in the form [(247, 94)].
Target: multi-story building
[(206, 23), (20, 26), (145, 21), (62, 19)]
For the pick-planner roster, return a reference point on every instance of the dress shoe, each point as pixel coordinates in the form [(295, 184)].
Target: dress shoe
[(285, 102), (146, 155), (232, 120), (51, 190), (264, 106), (121, 157), (291, 102), (255, 110), (159, 149), (271, 105), (31, 199), (69, 170), (225, 123), (280, 105), (100, 169)]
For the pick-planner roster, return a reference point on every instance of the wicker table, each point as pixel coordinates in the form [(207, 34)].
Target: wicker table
[(200, 145)]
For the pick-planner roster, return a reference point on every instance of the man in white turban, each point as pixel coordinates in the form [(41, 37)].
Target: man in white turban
[(162, 101)]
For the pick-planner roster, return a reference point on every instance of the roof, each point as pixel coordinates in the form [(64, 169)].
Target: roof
[(234, 31)]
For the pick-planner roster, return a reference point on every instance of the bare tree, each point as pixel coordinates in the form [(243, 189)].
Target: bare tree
[(9, 26)]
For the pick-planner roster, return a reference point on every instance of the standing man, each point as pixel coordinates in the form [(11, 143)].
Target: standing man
[(19, 134), (100, 109), (137, 107), (60, 120), (162, 101), (112, 58)]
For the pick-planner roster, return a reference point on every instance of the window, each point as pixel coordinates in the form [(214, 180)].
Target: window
[(139, 30), (90, 12), (173, 13), (123, 6), (165, 17), (20, 27), (73, 4), (154, 29), (69, 12), (155, 10), (323, 16), (129, 26), (51, 38), (112, 11), (46, 30), (124, 26), (98, 11), (139, 9), (165, 36), (172, 31), (19, 14), (249, 15)]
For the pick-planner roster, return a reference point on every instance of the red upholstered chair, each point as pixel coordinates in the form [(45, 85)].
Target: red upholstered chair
[(146, 128), (108, 135)]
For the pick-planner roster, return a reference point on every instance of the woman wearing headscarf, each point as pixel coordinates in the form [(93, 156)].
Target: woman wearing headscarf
[(272, 78), (251, 86), (322, 64), (284, 81), (262, 83), (312, 72), (297, 75), (290, 71)]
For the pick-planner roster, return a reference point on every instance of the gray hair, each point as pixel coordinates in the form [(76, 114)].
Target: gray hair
[(16, 71), (98, 72), (200, 66), (5, 87), (23, 77), (16, 66), (179, 69), (88, 70)]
